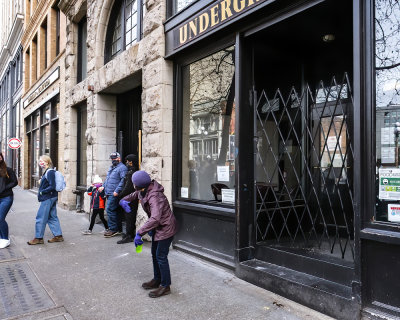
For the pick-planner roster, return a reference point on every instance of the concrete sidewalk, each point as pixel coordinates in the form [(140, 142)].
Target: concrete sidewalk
[(91, 277)]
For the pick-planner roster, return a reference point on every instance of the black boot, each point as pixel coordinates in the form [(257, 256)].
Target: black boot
[(125, 239)]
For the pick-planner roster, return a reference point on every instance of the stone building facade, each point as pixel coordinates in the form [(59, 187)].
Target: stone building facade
[(118, 91), (43, 43), (11, 28)]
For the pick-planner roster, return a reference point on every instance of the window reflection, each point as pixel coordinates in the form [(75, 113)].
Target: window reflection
[(208, 128), (181, 4), (387, 99)]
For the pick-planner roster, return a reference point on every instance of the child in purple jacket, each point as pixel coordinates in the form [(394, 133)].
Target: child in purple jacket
[(161, 226)]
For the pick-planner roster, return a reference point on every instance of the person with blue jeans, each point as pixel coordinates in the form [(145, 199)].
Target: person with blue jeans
[(47, 213), (112, 186), (161, 226), (8, 180)]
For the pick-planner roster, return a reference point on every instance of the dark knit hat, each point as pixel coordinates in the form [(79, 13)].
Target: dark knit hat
[(131, 157), (141, 179)]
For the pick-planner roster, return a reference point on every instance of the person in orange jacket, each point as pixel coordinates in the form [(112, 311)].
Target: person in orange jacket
[(97, 204)]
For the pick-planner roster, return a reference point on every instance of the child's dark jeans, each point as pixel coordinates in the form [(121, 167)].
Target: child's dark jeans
[(100, 212)]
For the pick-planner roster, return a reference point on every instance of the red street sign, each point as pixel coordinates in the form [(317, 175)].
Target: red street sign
[(14, 143)]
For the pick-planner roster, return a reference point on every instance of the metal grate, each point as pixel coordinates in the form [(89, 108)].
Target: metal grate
[(303, 175), (20, 291)]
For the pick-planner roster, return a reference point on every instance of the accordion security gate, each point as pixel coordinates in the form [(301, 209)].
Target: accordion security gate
[(303, 169)]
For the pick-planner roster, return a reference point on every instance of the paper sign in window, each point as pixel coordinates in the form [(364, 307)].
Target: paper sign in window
[(223, 173), (184, 192), (228, 195)]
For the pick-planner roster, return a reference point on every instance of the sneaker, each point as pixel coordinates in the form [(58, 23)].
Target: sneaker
[(56, 239), (87, 232), (35, 241), (105, 231), (110, 234), (4, 243)]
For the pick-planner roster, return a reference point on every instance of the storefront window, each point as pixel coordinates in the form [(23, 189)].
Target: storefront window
[(35, 154), (42, 137), (4, 133), (208, 125), (46, 140), (387, 85), (46, 114)]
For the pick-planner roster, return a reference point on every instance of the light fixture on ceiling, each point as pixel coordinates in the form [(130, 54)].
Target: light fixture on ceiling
[(328, 37)]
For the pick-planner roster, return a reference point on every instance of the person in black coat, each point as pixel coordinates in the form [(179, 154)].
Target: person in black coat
[(132, 164), (8, 180)]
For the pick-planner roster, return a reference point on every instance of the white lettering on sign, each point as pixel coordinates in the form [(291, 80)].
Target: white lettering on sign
[(42, 87), (14, 143)]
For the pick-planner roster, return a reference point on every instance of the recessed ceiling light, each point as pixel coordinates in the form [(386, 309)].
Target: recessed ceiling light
[(328, 37)]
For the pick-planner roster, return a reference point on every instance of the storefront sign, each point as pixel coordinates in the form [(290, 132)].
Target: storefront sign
[(223, 173), (228, 195), (389, 184), (394, 212), (213, 16), (14, 143), (42, 87)]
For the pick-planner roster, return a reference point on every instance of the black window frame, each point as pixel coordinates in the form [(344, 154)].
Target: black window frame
[(196, 54), (44, 26), (387, 230), (58, 25), (80, 110), (81, 43), (120, 7)]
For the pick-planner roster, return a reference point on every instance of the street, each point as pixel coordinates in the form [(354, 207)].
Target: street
[(91, 277)]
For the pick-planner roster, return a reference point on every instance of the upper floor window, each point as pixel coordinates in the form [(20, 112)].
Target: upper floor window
[(125, 27), (82, 50)]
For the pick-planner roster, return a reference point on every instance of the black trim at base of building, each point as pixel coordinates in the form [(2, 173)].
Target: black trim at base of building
[(206, 254), (325, 296)]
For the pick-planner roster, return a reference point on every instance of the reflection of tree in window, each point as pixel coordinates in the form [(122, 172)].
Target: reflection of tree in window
[(208, 109), (387, 52), (387, 77)]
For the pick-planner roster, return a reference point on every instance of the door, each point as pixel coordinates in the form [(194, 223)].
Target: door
[(129, 122), (302, 106)]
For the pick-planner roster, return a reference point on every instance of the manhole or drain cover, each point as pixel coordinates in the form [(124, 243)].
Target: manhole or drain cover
[(20, 291), (10, 253)]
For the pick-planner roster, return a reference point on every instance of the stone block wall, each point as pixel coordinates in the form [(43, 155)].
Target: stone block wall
[(145, 59)]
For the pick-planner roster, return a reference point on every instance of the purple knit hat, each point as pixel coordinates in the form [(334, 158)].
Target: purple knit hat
[(141, 179)]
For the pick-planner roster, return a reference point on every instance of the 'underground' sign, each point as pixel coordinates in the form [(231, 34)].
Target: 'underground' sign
[(213, 16)]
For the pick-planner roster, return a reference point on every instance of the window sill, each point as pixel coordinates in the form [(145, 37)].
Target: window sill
[(207, 208), (384, 236)]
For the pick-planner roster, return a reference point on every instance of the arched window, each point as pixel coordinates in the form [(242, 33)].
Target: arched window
[(124, 28)]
